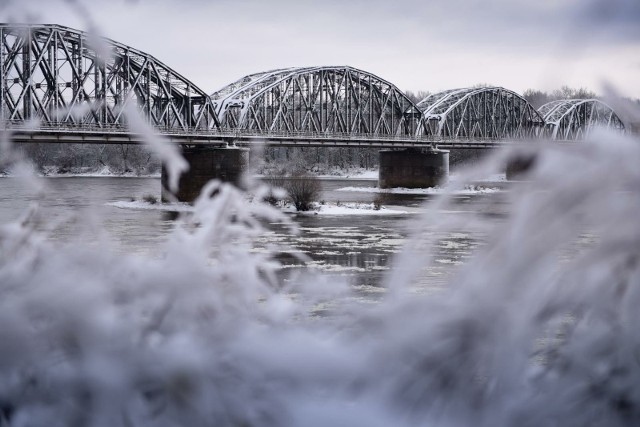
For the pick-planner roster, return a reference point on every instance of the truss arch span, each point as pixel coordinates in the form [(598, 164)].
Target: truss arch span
[(483, 112), (341, 100), (573, 119), (62, 76)]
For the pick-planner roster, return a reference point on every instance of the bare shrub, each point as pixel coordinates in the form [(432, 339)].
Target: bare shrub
[(303, 191), (150, 198)]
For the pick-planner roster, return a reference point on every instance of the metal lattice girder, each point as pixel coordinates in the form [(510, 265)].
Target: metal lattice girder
[(57, 75), (319, 100), (485, 112), (571, 119)]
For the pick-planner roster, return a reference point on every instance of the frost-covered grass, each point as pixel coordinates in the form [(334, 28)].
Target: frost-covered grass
[(207, 334)]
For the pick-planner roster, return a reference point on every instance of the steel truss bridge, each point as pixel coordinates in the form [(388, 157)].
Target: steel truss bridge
[(573, 119), (58, 84)]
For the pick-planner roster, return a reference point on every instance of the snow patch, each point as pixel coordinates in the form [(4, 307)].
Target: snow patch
[(471, 189), (348, 209), (356, 173), (328, 253), (496, 177), (324, 266), (142, 205)]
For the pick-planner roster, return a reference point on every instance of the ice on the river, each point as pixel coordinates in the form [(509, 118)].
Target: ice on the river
[(349, 209), (142, 205), (417, 191), (494, 177)]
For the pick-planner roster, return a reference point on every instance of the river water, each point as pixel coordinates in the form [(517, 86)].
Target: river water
[(356, 248)]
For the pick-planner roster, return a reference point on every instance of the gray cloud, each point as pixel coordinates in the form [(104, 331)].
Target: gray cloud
[(503, 22), (417, 44)]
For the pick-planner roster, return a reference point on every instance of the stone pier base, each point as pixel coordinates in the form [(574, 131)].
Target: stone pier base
[(412, 168), (205, 164)]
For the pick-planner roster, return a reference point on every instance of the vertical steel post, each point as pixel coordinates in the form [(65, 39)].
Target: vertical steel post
[(3, 79)]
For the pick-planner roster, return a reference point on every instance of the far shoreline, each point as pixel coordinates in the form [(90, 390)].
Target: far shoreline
[(367, 176)]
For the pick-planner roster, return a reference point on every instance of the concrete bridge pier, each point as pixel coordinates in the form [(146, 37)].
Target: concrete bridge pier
[(413, 168), (205, 164)]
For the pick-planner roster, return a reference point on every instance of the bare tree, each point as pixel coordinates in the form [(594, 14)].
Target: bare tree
[(537, 98), (418, 96), (566, 92)]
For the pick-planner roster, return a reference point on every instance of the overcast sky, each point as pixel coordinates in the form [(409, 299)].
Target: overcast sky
[(415, 44)]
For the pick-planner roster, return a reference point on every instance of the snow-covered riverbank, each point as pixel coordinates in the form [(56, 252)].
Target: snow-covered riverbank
[(363, 174), (105, 172), (348, 209)]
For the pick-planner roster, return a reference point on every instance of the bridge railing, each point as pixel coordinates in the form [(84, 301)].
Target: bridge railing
[(225, 134)]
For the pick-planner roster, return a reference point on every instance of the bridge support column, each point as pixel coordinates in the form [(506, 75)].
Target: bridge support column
[(205, 164), (413, 168)]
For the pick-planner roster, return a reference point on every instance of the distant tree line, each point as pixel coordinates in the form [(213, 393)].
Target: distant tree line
[(77, 158), (538, 98)]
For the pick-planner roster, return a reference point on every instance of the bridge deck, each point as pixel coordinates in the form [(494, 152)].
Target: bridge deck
[(105, 135)]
